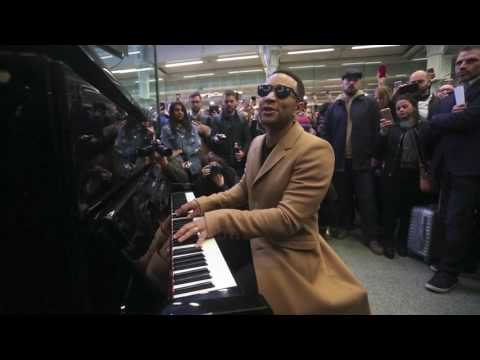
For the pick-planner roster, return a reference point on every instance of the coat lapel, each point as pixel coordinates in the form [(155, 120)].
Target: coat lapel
[(278, 152)]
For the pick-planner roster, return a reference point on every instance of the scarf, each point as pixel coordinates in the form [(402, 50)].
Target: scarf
[(409, 159)]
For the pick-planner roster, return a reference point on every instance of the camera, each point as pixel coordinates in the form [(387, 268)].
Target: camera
[(410, 89), (155, 146), (216, 169)]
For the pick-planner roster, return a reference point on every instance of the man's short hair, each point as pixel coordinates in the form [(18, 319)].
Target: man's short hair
[(469, 48), (300, 90), (231, 93), (195, 94)]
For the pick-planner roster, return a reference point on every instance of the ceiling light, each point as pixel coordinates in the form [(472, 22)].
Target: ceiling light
[(198, 75), (401, 75), (126, 71), (349, 64), (361, 47), (240, 54), (330, 86), (212, 102), (134, 53), (106, 57), (306, 66), (310, 51), (419, 59), (373, 62), (186, 63), (238, 58), (245, 71), (151, 80)]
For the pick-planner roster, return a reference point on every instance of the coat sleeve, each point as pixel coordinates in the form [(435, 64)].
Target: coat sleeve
[(308, 186), (467, 120), (234, 198)]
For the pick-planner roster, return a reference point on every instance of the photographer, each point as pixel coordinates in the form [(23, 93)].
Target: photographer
[(419, 89), (216, 177), (181, 136)]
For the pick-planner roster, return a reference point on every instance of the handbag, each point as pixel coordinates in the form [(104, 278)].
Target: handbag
[(426, 184)]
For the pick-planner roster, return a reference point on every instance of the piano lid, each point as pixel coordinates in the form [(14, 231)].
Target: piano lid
[(85, 62)]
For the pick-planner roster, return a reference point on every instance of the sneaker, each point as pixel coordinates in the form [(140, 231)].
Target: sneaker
[(376, 248), (442, 282), (433, 268)]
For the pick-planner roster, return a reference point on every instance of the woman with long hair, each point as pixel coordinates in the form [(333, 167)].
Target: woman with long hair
[(182, 137), (399, 146)]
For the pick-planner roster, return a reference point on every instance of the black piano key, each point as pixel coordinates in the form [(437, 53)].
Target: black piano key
[(178, 223), (192, 279), (187, 259), (191, 288), (187, 262), (178, 199), (191, 240), (190, 273), (190, 250), (190, 265)]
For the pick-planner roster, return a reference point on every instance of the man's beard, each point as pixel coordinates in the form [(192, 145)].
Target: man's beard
[(281, 120)]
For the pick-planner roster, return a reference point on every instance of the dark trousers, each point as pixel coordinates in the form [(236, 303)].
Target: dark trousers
[(350, 183), (401, 193), (461, 242)]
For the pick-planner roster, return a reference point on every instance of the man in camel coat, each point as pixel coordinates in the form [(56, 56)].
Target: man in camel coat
[(288, 172)]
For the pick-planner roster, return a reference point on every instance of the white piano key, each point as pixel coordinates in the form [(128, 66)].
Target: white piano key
[(176, 287), (176, 272)]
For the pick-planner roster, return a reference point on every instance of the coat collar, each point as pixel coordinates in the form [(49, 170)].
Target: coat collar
[(278, 152)]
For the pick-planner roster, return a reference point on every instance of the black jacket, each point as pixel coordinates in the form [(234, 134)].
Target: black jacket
[(388, 148), (453, 139), (365, 127), (237, 130)]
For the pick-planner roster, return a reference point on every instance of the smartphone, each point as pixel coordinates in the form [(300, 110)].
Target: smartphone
[(459, 95), (382, 71), (386, 114), (408, 89)]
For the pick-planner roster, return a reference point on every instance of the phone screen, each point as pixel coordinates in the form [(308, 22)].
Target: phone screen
[(386, 114)]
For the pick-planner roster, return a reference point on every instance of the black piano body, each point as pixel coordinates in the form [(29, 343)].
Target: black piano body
[(71, 215)]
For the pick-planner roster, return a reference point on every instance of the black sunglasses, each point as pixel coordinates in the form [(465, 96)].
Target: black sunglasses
[(281, 91)]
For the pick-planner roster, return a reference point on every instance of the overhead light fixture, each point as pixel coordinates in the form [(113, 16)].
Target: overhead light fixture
[(419, 59), (126, 71), (350, 64), (152, 80), (306, 66), (246, 57), (198, 75), (310, 51), (401, 75), (185, 63), (134, 52), (245, 71), (239, 54), (361, 47), (106, 57), (330, 86), (212, 102)]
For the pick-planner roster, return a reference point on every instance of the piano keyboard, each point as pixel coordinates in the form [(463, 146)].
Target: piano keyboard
[(196, 270)]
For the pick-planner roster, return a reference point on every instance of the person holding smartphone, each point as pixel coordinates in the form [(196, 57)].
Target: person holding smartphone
[(399, 147)]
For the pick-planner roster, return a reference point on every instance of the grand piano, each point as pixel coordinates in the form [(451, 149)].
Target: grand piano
[(72, 212)]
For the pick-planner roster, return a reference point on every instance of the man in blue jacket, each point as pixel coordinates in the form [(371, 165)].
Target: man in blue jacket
[(351, 125), (457, 135)]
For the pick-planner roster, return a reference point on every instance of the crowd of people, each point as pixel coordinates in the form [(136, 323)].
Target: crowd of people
[(392, 152)]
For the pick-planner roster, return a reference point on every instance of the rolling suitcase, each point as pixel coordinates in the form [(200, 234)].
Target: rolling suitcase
[(423, 231)]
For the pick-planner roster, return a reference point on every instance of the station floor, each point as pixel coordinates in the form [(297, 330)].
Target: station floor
[(397, 287)]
